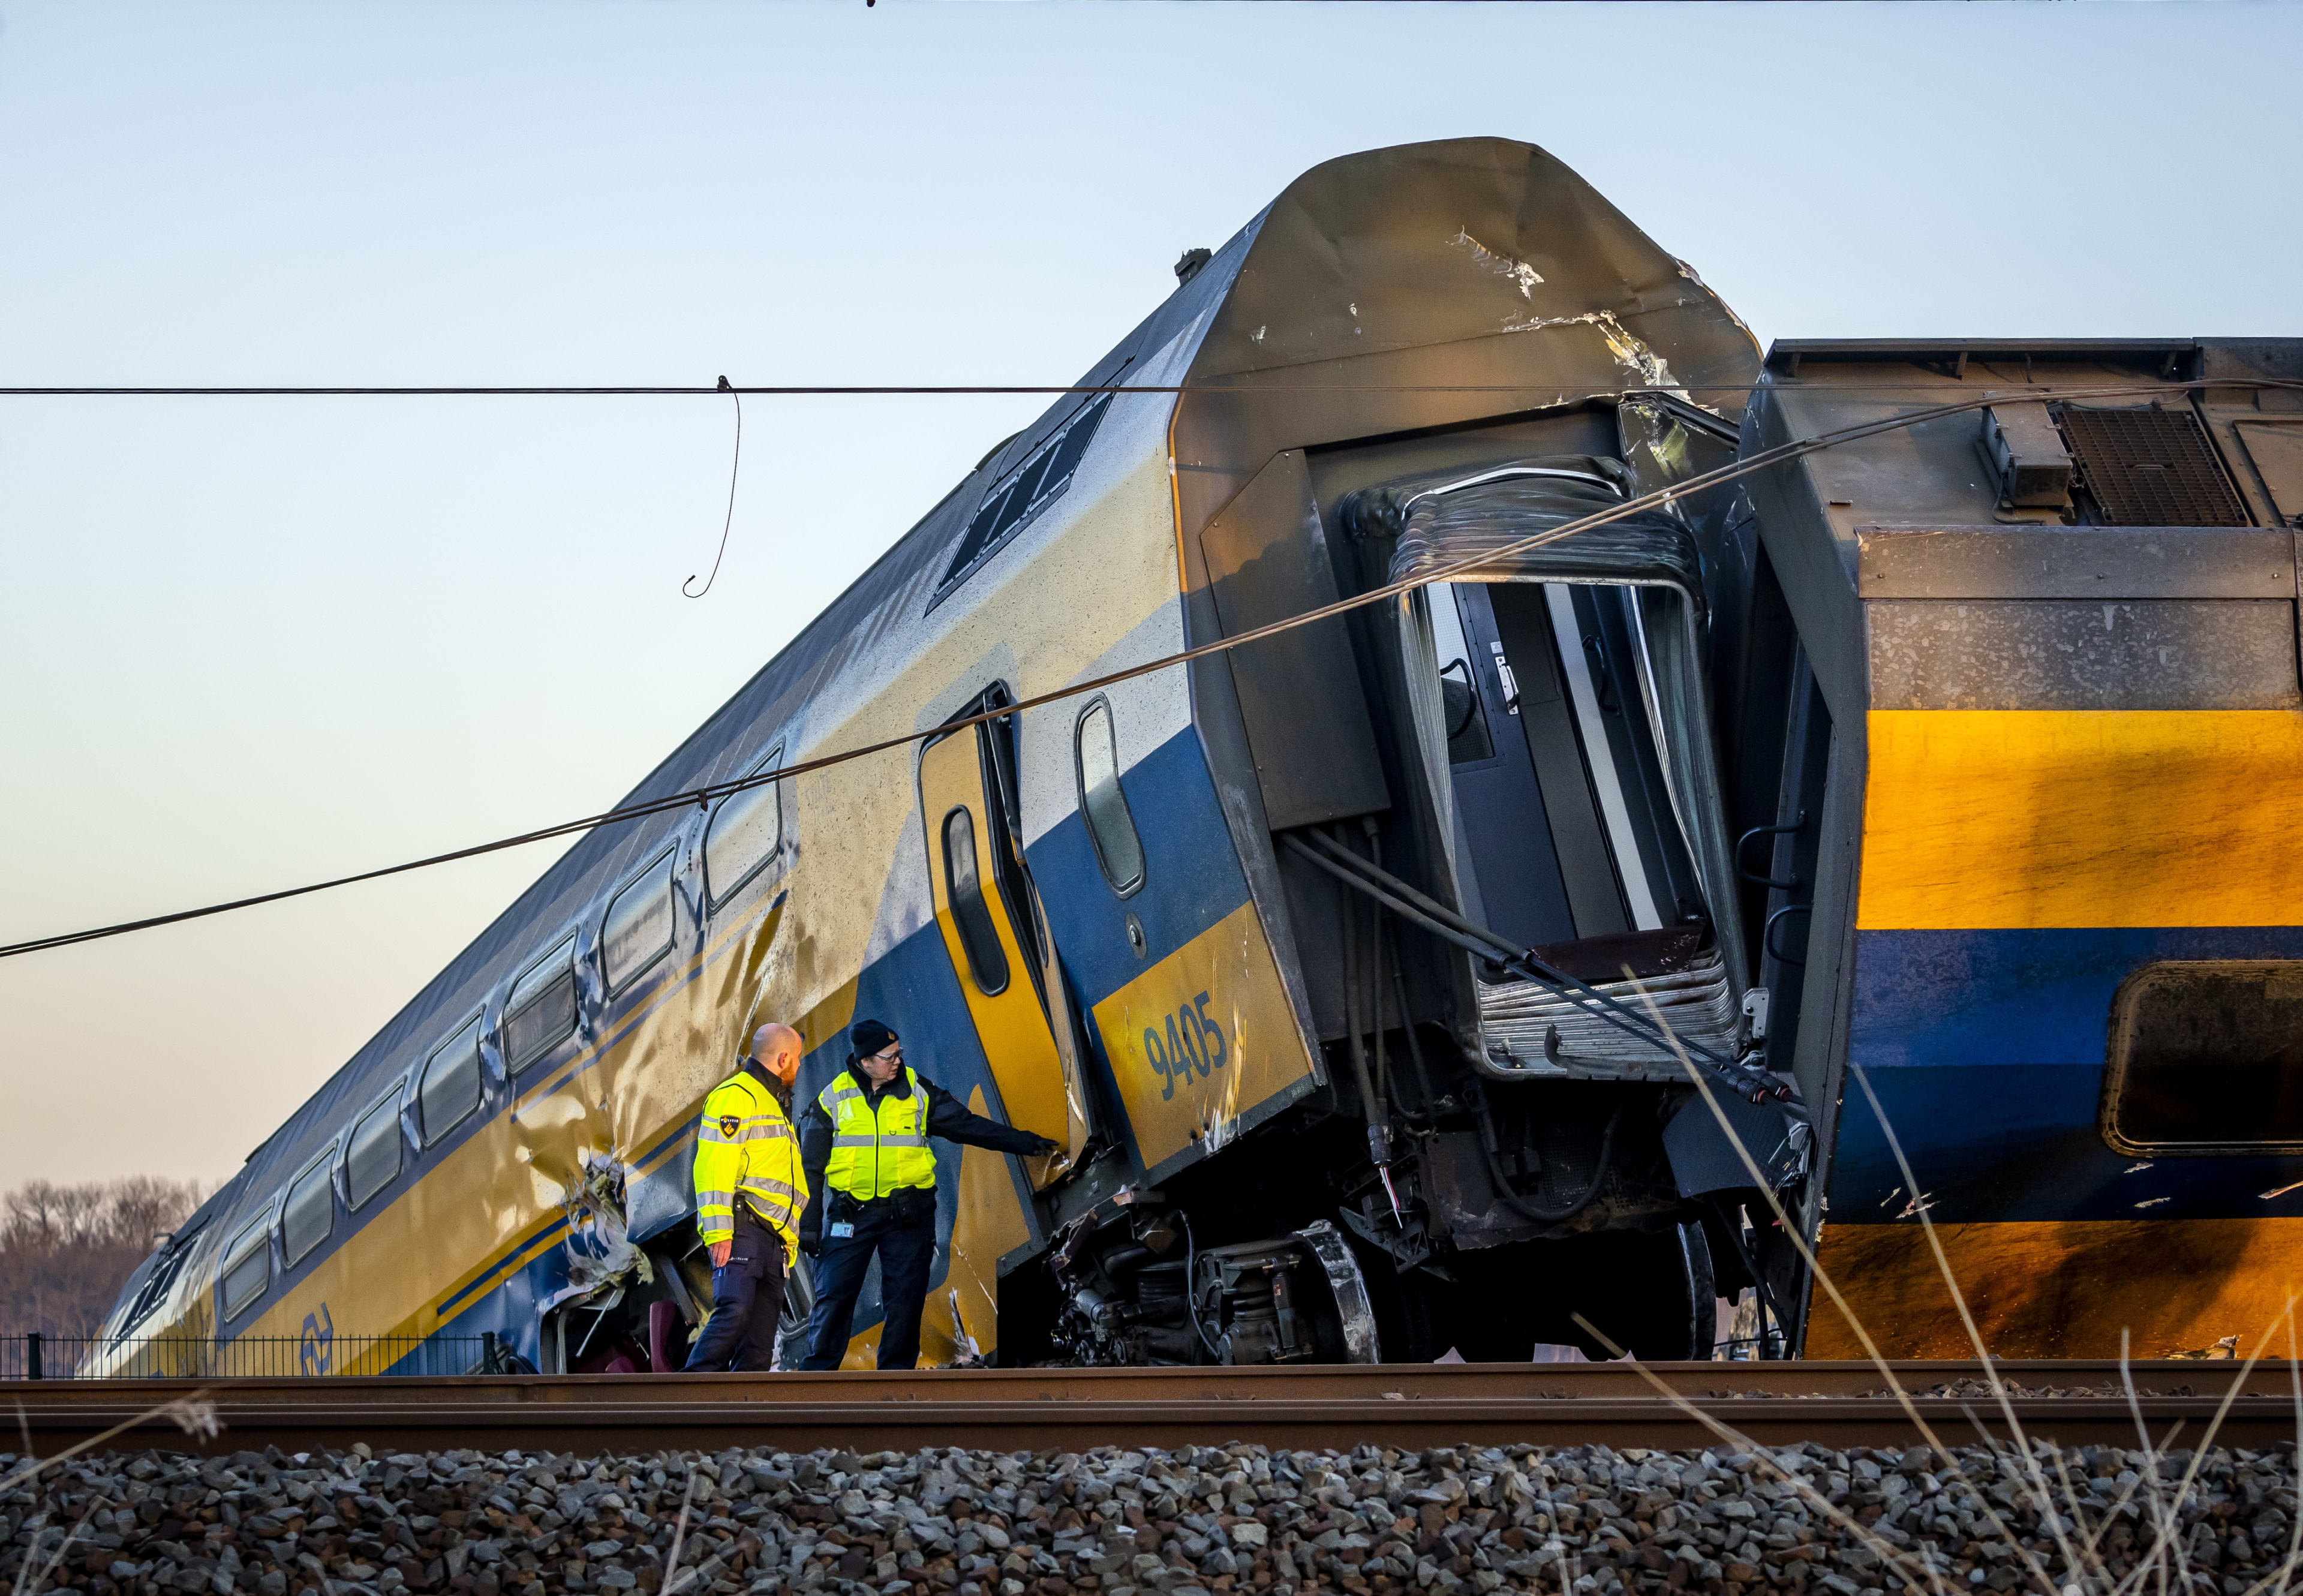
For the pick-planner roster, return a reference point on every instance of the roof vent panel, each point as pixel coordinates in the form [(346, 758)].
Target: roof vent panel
[(2150, 467)]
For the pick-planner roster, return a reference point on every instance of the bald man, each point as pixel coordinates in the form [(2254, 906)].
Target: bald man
[(750, 1192)]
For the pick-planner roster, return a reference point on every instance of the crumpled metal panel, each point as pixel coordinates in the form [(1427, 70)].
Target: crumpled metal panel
[(1778, 1136), (1526, 245), (1400, 289), (1517, 1019), (1442, 519)]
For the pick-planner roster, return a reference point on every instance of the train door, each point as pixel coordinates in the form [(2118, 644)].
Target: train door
[(997, 937), (1567, 827)]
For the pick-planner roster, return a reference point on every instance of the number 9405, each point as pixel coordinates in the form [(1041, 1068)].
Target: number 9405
[(1193, 1045)]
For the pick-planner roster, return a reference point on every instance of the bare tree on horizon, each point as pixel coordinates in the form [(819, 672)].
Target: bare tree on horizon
[(66, 1250)]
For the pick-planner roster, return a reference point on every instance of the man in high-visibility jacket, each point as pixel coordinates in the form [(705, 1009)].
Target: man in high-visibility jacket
[(749, 1193), (864, 1142)]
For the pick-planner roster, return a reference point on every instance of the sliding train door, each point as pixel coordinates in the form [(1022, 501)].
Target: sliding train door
[(998, 936)]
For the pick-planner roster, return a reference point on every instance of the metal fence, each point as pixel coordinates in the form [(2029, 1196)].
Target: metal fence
[(38, 1357)]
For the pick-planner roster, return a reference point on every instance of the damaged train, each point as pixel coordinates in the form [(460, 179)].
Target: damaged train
[(1365, 971)]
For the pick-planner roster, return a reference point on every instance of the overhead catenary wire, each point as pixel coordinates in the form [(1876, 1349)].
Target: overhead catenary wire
[(1205, 386), (1778, 454)]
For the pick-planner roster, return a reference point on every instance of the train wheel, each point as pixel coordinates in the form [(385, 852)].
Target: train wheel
[(1656, 1299), (1650, 1294)]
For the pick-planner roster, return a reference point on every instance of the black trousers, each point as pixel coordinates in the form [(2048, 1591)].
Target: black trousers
[(907, 1251), (747, 1300)]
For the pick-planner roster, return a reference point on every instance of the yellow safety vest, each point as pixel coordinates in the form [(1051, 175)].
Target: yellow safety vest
[(746, 1148), (874, 1153)]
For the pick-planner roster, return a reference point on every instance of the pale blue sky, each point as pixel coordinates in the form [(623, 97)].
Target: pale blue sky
[(248, 642)]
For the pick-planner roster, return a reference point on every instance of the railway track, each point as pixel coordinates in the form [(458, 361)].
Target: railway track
[(1837, 1404)]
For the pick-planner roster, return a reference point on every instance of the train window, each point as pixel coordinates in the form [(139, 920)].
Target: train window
[(1013, 503), (174, 1252), (2207, 1057), (246, 1266), (542, 1010), (449, 1093), (371, 1160), (309, 1213), (743, 835), (638, 931), (963, 881), (1103, 805)]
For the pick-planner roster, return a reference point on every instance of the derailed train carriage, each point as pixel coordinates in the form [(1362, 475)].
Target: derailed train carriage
[(1361, 971)]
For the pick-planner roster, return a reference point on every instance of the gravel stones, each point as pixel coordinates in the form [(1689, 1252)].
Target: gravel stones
[(1116, 1522)]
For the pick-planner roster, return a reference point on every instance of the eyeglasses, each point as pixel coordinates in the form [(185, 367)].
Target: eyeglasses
[(890, 1055)]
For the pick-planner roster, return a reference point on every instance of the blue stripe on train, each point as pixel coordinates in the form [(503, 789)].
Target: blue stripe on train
[(913, 988), (1191, 876), (1192, 880), (1986, 1049)]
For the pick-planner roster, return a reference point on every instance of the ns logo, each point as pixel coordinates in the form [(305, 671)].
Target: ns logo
[(317, 1352)]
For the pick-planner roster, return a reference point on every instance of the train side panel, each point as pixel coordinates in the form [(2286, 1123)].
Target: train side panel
[(2066, 749)]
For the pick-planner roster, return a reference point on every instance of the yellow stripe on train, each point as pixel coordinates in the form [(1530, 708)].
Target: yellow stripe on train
[(1997, 819), (1200, 1037), (479, 1213), (2059, 1288)]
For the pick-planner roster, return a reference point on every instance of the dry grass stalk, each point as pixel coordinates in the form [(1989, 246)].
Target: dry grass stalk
[(24, 1589), (195, 1414), (673, 1578), (2164, 1562)]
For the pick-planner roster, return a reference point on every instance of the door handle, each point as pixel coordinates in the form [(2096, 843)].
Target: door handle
[(1769, 830), (1767, 932)]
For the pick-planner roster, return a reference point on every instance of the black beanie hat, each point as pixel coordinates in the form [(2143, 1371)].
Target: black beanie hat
[(869, 1036)]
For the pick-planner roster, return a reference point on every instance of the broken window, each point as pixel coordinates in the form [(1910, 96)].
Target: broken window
[(1586, 816)]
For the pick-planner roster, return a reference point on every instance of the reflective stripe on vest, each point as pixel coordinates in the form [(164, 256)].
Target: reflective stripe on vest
[(875, 1153)]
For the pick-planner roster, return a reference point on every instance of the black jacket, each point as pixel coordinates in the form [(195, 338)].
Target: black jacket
[(948, 1118)]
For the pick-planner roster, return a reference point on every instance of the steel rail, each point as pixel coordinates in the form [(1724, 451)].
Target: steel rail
[(1838, 1404)]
